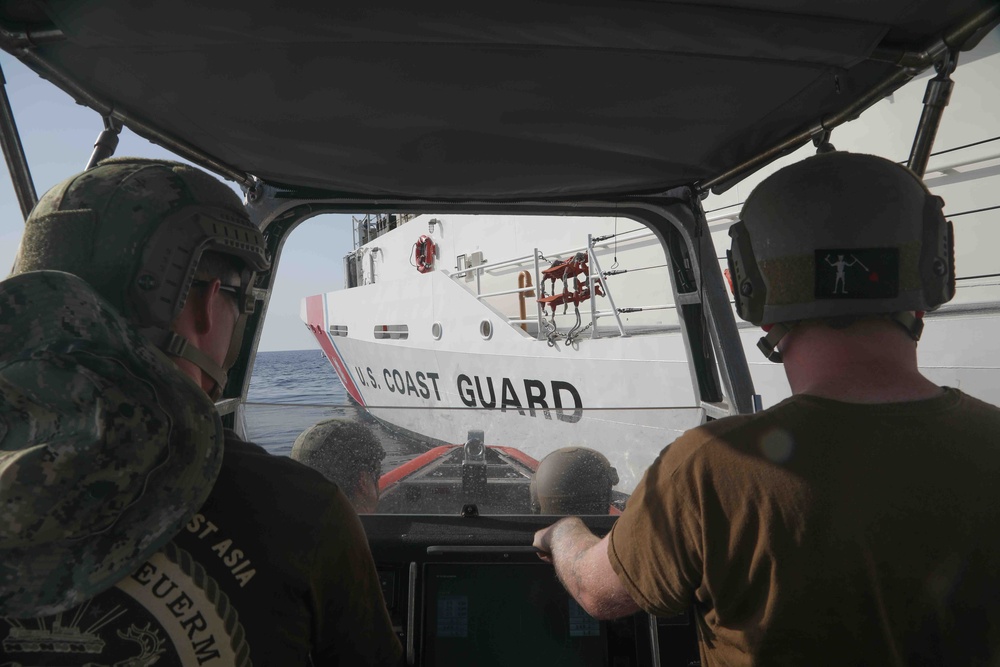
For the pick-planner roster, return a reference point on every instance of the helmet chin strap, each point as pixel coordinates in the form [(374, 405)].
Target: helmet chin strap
[(176, 345), (769, 343), (912, 323), (179, 346)]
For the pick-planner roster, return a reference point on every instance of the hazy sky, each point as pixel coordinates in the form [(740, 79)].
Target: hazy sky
[(58, 137)]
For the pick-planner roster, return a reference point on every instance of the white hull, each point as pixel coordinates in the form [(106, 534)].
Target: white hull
[(520, 391)]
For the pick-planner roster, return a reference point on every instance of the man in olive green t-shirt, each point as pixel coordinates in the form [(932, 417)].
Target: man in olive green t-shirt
[(854, 523)]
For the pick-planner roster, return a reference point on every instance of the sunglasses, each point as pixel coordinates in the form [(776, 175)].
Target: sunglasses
[(230, 289)]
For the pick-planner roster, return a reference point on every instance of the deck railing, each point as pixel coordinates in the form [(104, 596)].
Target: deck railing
[(596, 276)]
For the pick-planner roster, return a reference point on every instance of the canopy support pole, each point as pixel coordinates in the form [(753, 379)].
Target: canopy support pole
[(13, 153), (107, 141), (936, 98)]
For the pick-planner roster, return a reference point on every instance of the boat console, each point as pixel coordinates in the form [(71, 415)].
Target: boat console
[(471, 591)]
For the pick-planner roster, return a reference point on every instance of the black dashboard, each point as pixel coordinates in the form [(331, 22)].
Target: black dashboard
[(471, 591)]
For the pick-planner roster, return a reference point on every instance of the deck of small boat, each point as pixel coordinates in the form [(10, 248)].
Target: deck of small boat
[(442, 481)]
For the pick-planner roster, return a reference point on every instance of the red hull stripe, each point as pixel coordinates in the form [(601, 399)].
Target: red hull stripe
[(412, 466), (314, 313)]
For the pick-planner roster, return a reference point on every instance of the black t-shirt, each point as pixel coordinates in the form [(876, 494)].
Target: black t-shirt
[(273, 570)]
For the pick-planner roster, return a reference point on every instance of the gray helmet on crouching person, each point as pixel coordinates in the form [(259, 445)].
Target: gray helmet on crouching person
[(136, 230), (340, 449), (840, 236), (573, 480)]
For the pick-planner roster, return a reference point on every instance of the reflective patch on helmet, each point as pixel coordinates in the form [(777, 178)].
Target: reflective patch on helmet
[(857, 273)]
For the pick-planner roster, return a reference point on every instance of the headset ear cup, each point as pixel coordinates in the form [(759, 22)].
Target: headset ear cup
[(749, 290), (937, 256), (733, 282)]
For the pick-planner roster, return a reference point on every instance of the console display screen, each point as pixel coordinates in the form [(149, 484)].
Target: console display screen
[(505, 614)]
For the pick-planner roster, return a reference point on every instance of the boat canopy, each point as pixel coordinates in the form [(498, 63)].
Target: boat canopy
[(448, 101)]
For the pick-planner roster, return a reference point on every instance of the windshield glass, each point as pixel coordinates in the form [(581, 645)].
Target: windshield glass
[(478, 350)]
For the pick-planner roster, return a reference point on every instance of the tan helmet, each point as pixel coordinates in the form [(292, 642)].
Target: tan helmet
[(340, 449), (573, 480), (135, 229), (840, 234)]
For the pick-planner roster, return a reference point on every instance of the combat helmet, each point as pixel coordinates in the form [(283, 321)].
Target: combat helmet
[(573, 480), (339, 448), (840, 235), (136, 229)]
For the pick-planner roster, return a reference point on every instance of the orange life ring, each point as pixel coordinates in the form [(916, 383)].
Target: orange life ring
[(423, 254)]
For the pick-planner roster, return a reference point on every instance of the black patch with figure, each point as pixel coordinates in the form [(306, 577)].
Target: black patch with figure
[(857, 273)]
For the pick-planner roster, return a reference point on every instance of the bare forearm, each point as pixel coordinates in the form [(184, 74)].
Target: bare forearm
[(582, 565), (570, 542)]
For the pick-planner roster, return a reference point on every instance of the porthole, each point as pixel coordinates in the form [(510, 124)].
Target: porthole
[(486, 329), (436, 330)]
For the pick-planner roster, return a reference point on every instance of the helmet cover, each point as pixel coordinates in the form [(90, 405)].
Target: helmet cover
[(573, 480), (136, 229), (840, 234), (340, 449)]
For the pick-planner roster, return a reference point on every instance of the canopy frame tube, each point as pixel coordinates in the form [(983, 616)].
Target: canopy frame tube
[(106, 143), (13, 153), (936, 98)]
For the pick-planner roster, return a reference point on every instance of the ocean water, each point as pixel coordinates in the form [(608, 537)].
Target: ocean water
[(292, 390)]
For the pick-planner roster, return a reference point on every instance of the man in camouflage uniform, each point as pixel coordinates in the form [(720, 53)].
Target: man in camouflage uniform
[(274, 568)]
